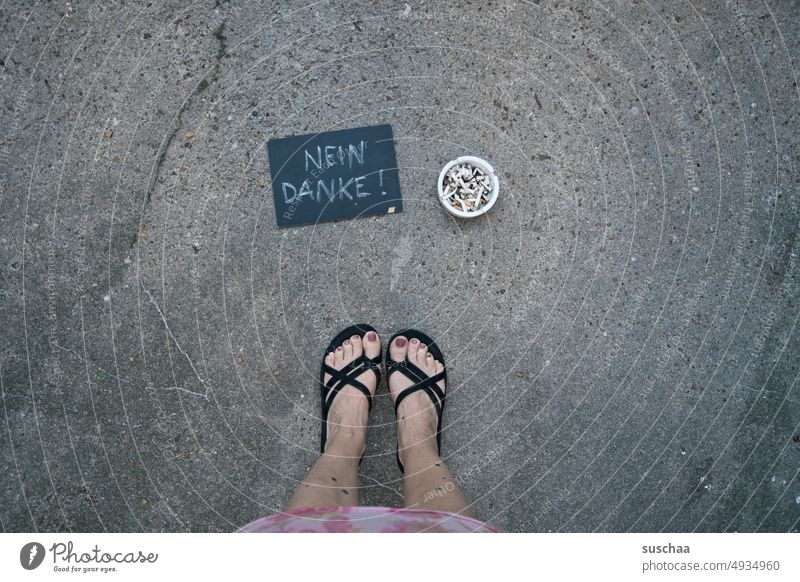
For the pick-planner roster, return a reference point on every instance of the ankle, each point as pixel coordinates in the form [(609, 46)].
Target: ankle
[(420, 454), (346, 442)]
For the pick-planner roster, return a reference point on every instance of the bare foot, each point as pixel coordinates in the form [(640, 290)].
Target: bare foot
[(347, 418), (416, 418)]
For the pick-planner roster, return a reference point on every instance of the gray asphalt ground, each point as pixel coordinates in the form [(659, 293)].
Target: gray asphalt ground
[(621, 328)]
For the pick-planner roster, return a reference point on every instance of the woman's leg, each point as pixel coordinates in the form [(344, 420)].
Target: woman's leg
[(428, 482), (333, 480)]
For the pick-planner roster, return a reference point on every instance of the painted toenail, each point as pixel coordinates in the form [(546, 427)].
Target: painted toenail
[(423, 346), (400, 342), (414, 341), (372, 336), (339, 349)]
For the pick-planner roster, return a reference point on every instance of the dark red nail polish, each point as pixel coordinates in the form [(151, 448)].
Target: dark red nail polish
[(372, 336), (415, 340), (400, 342)]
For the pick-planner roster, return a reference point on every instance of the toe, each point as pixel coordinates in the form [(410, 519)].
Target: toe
[(348, 351), (413, 347), (422, 353), (371, 344), (355, 341), (430, 364), (339, 357), (399, 349)]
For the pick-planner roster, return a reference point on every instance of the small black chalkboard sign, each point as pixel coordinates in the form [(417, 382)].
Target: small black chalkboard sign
[(334, 175)]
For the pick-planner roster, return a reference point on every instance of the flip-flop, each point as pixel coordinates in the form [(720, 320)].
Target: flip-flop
[(347, 375), (421, 381)]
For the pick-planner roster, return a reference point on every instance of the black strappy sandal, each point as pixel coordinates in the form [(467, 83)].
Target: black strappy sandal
[(420, 379), (347, 375)]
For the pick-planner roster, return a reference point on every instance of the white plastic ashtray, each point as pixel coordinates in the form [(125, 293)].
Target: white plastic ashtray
[(460, 189)]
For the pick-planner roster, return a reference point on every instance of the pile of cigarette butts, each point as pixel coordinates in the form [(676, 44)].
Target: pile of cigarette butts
[(466, 187)]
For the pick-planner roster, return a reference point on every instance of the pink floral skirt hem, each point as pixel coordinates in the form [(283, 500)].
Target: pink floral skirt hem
[(365, 520)]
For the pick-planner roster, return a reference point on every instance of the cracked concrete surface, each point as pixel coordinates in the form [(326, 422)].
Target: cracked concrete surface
[(620, 328)]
